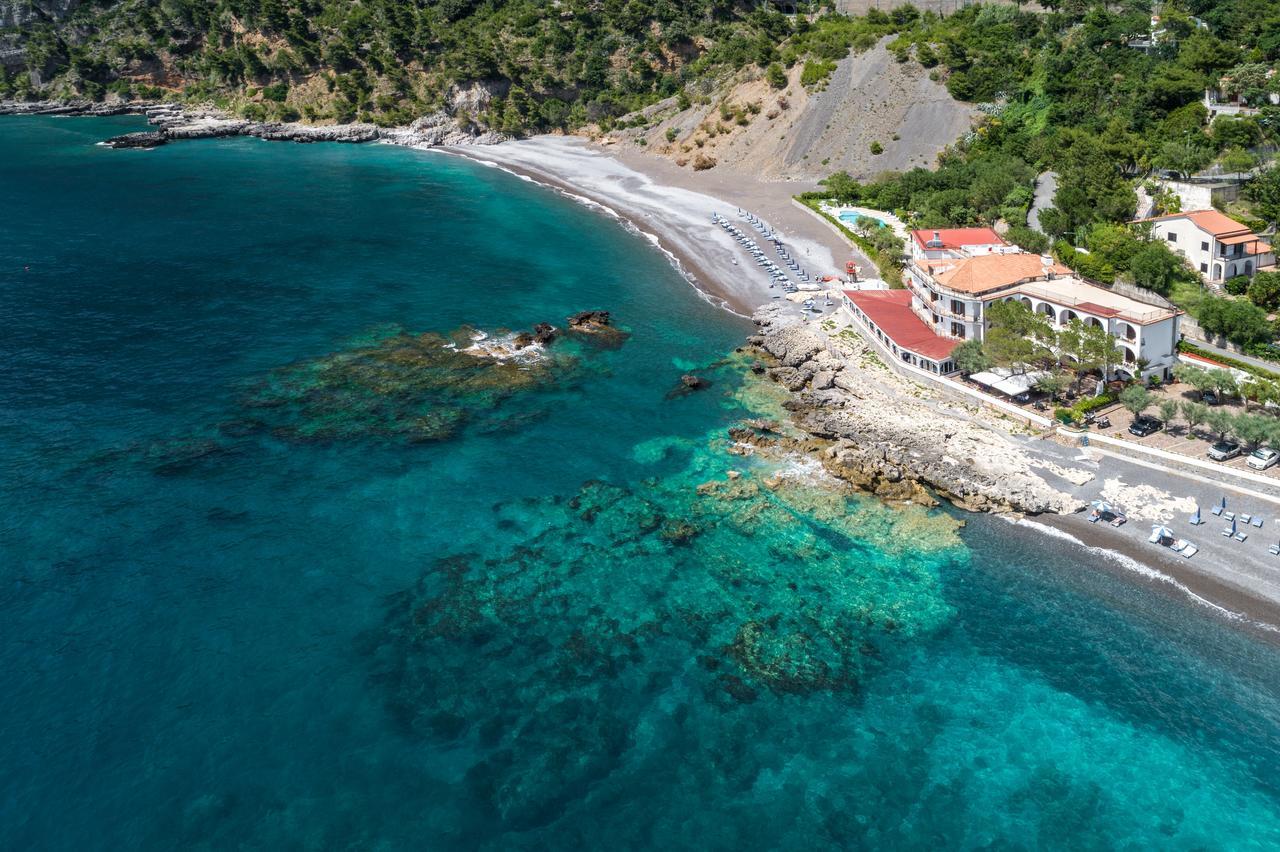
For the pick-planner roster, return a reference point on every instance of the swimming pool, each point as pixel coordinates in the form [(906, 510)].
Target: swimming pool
[(850, 217)]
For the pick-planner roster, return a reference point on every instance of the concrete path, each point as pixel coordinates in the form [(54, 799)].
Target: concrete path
[(1046, 188)]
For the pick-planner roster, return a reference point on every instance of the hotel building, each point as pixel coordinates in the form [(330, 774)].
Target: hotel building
[(954, 275)]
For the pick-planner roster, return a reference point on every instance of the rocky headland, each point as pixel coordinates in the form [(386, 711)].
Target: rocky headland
[(881, 432), (174, 122)]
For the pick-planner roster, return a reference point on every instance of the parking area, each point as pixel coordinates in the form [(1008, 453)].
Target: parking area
[(1175, 437)]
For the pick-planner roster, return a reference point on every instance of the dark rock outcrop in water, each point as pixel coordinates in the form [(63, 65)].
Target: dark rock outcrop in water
[(687, 385), (598, 327), (145, 139)]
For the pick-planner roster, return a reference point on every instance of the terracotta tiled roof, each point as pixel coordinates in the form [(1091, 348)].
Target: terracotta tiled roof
[(989, 272), (954, 238), (1099, 310), (891, 311), (1210, 221)]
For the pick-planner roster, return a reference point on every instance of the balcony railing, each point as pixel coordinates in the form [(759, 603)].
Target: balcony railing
[(1057, 299), (939, 306)]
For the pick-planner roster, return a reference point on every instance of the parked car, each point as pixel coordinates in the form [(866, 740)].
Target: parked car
[(1144, 425), (1262, 458), (1209, 397), (1224, 450)]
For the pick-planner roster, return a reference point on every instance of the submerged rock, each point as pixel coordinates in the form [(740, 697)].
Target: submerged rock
[(413, 387)]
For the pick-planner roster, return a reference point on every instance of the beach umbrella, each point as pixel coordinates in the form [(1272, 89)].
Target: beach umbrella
[(1161, 531), (1222, 503), (1103, 506), (1195, 519), (1233, 526)]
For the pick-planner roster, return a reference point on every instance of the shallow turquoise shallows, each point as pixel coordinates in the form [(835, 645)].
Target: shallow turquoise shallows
[(283, 569)]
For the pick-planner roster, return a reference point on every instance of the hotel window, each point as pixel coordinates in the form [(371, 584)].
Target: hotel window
[(1204, 246), (957, 307), (1204, 267), (1172, 237), (957, 329)]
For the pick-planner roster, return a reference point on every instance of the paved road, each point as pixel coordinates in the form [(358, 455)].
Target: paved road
[(1046, 188), (1271, 366)]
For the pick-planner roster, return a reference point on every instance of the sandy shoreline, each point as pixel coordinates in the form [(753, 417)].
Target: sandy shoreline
[(673, 209)]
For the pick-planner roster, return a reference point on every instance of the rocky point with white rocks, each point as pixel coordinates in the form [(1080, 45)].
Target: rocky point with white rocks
[(884, 433), (174, 121)]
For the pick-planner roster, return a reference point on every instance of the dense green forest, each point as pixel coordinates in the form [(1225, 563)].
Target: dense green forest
[(552, 64)]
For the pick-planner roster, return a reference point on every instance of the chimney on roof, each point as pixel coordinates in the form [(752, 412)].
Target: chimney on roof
[(936, 242), (1046, 264)]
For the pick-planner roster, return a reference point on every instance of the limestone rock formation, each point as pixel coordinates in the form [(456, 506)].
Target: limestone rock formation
[(885, 438)]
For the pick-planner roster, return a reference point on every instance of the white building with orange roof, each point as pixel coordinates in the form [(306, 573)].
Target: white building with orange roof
[(1216, 246), (950, 295)]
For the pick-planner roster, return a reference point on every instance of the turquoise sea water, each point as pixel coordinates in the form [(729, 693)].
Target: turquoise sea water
[(279, 572)]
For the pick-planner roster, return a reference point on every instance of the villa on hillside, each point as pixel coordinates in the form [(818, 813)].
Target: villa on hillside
[(1224, 100), (955, 274), (1215, 245)]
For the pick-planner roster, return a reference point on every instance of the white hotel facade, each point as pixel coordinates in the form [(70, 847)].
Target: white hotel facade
[(955, 274)]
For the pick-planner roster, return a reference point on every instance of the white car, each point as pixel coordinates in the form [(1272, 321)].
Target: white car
[(1262, 458)]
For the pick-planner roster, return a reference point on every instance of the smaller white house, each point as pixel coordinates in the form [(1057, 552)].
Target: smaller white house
[(1222, 100), (1216, 246)]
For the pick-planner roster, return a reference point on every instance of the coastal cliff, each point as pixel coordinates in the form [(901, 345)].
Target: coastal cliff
[(883, 433)]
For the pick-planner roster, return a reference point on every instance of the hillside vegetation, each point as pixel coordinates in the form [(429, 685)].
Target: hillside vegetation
[(542, 65)]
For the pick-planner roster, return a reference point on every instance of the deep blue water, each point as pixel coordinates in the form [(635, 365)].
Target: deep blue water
[(245, 603)]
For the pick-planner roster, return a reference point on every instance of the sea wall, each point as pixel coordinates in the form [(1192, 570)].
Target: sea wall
[(889, 435)]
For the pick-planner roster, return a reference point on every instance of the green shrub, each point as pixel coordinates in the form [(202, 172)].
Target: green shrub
[(1237, 286), (877, 148)]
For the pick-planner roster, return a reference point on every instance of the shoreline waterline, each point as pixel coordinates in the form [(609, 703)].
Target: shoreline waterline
[(1238, 606)]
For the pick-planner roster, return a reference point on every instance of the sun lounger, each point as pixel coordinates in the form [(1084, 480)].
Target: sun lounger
[(1246, 519), (1178, 545), (1226, 532), (1155, 538), (1189, 551), (1094, 518), (1119, 521), (1274, 550), (1241, 536), (1257, 521), (1228, 516), (1217, 510)]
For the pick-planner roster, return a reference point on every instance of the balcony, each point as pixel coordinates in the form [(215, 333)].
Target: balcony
[(939, 306)]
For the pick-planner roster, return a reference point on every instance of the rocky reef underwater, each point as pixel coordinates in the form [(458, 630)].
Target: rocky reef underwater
[(741, 582)]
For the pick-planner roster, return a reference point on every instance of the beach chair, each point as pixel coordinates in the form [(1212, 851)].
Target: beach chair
[(1241, 536), (1228, 516), (1119, 521), (1257, 521), (1246, 519), (1189, 551), (1179, 545), (1274, 550), (1094, 518), (1217, 510), (1227, 532)]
